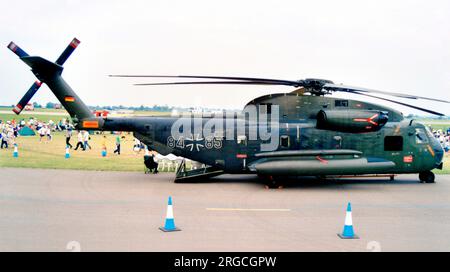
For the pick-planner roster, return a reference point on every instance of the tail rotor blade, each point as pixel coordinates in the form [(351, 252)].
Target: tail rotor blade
[(36, 85), (27, 97), (17, 50), (68, 51)]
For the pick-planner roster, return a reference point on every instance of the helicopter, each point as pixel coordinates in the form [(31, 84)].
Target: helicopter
[(304, 132)]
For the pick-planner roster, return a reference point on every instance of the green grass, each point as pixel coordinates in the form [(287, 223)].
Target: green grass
[(51, 155), (446, 169)]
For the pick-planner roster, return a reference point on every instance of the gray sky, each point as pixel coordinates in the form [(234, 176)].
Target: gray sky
[(401, 46)]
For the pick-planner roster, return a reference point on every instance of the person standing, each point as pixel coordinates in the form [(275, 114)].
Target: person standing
[(49, 133), (68, 136), (4, 137), (80, 141), (42, 131), (117, 145), (86, 140), (104, 142)]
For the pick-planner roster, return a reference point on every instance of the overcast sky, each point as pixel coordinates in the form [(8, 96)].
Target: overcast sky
[(401, 46)]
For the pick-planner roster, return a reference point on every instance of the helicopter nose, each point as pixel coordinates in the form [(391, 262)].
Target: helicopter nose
[(439, 157), (438, 153)]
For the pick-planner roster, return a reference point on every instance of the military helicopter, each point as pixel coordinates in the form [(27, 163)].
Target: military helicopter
[(301, 133)]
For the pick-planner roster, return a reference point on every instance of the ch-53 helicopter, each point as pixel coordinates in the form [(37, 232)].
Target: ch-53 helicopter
[(301, 133)]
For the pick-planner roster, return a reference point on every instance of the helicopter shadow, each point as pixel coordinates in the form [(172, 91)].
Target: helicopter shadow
[(308, 182)]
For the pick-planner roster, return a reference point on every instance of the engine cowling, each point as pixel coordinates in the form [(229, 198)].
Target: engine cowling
[(356, 121)]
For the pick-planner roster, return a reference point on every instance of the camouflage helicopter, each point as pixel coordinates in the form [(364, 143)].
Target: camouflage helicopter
[(300, 133)]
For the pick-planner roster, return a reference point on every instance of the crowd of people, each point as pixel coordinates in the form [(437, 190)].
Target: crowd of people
[(443, 137), (9, 131)]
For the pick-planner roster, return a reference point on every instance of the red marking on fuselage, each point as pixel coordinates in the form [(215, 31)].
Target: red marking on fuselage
[(321, 160), (368, 120)]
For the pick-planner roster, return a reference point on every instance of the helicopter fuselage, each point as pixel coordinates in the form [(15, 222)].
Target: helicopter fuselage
[(400, 146)]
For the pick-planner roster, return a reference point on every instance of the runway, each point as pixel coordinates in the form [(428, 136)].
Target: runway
[(53, 210)]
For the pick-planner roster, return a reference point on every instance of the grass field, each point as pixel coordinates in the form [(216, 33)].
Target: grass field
[(35, 154)]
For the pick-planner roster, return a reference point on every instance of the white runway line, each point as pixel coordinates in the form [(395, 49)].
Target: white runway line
[(248, 210)]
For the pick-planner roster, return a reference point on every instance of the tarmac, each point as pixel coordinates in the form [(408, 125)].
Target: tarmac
[(65, 210)]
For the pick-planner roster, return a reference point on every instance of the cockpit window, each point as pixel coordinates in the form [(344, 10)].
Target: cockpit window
[(421, 136), (429, 133)]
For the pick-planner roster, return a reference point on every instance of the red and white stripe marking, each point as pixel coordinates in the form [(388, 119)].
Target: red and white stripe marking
[(75, 42)]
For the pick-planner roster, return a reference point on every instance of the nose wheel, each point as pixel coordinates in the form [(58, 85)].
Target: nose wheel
[(426, 177)]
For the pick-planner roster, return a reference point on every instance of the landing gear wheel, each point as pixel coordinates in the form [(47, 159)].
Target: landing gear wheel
[(426, 177), (271, 182)]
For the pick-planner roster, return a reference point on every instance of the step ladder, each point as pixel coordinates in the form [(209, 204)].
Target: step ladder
[(183, 175)]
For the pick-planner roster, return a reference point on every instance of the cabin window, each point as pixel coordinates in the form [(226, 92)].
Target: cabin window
[(284, 141), (393, 143), (421, 137), (337, 142), (341, 103), (242, 140)]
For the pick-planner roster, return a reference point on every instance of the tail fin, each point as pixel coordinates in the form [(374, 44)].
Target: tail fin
[(50, 73)]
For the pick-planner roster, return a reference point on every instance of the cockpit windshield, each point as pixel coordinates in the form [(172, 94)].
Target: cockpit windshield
[(421, 136)]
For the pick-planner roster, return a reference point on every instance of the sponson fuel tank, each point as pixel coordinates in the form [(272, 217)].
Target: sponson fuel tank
[(351, 120)]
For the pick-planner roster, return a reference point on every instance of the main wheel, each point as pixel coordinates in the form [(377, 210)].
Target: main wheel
[(270, 181), (427, 177)]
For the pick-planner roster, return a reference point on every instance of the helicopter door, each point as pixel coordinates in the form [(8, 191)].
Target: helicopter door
[(242, 143)]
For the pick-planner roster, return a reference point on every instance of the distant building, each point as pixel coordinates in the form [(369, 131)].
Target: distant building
[(123, 111), (57, 106), (101, 113)]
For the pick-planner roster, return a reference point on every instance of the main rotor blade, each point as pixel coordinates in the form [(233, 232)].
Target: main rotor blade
[(400, 103), (250, 79), (210, 82), (344, 88)]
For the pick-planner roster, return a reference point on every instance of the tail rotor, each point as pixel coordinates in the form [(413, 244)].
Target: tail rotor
[(36, 85)]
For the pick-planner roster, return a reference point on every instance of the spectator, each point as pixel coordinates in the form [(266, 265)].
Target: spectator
[(68, 136), (86, 140), (49, 133), (117, 145), (80, 141), (42, 132), (137, 146), (104, 143), (4, 137)]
